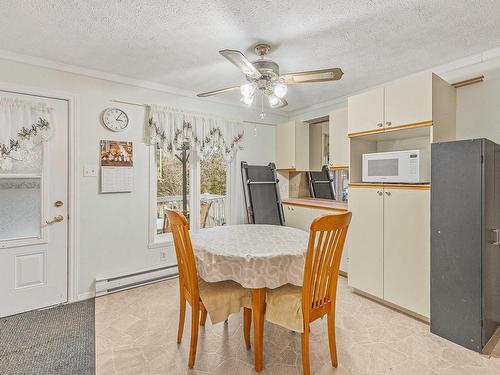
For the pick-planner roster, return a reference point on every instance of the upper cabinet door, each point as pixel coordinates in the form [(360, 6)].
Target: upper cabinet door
[(339, 142), (366, 111), (409, 101), (285, 145), (301, 146)]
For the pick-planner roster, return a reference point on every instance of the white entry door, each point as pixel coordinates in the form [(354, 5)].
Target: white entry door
[(33, 207)]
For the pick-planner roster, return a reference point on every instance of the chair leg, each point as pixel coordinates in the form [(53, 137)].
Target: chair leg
[(247, 322), (182, 316), (331, 338), (305, 351), (195, 320), (203, 318)]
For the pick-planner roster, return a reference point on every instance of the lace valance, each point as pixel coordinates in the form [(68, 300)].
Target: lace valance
[(23, 126), (169, 129)]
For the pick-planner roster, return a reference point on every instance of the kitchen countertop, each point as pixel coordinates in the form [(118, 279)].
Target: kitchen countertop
[(324, 204)]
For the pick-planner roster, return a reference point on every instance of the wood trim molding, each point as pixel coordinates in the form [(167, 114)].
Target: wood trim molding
[(391, 129), (391, 186), (468, 82), (340, 168), (285, 169), (312, 204)]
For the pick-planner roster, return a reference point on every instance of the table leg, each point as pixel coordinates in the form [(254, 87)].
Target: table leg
[(258, 307)]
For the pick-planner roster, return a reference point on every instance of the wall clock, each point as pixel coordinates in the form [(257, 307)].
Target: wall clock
[(115, 119)]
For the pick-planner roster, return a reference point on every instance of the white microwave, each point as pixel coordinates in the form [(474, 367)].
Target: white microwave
[(397, 166)]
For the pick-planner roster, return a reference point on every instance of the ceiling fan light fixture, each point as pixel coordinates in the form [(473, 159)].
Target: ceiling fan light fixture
[(280, 90), (247, 90), (248, 100), (273, 100)]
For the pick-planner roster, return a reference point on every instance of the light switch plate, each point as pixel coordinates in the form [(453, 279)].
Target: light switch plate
[(90, 170)]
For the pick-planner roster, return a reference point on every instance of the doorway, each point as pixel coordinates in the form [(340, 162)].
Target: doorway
[(34, 206)]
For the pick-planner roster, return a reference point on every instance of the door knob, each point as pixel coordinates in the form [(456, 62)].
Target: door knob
[(379, 192), (388, 123), (58, 203), (56, 219), (380, 125), (388, 193)]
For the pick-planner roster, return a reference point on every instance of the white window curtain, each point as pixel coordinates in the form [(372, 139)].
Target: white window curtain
[(23, 126), (168, 128)]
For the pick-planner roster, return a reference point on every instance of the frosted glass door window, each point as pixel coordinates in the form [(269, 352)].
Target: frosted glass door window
[(20, 207)]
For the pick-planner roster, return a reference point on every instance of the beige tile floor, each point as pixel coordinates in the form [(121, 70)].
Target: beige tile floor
[(136, 334)]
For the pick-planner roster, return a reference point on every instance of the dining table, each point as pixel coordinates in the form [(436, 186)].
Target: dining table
[(257, 257)]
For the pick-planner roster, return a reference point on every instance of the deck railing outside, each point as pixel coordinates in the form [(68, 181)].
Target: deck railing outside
[(216, 214)]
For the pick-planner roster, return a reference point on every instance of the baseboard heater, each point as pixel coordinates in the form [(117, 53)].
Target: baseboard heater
[(126, 281)]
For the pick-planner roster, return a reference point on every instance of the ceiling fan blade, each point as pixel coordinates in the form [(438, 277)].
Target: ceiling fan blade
[(241, 62), (219, 91), (322, 75), (279, 104)]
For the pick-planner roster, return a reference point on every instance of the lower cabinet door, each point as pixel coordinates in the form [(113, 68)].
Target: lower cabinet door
[(365, 240), (297, 217), (302, 217), (407, 249)]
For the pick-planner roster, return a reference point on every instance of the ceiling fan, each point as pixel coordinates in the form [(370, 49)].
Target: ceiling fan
[(263, 75)]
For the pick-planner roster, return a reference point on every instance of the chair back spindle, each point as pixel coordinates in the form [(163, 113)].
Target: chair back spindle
[(326, 242), (184, 252)]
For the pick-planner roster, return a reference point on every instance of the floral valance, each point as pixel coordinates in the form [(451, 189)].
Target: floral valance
[(169, 129), (23, 126)]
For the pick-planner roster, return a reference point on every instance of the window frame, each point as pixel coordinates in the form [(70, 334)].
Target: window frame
[(165, 239)]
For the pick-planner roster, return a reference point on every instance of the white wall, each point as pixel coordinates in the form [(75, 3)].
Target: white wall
[(113, 228), (478, 109)]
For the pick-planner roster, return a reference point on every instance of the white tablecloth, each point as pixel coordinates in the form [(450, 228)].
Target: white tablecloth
[(255, 256)]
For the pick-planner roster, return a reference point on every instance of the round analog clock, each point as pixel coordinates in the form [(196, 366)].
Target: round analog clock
[(115, 119)]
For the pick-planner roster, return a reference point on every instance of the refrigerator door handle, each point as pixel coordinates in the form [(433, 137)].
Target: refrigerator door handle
[(496, 240)]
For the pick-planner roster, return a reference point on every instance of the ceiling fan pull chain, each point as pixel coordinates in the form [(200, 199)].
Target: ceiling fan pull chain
[(262, 114)]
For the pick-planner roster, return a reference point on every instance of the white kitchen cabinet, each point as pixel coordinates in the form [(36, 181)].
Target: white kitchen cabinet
[(422, 99), (409, 101), (389, 245), (365, 240), (301, 218), (366, 111), (339, 142), (292, 146), (407, 249)]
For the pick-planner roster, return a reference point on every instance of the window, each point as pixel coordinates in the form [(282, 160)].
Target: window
[(169, 189), (213, 191), (189, 169), (210, 196)]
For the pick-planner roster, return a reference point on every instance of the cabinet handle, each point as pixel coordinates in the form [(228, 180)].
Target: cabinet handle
[(496, 241), (379, 193), (380, 124), (388, 123), (388, 193)]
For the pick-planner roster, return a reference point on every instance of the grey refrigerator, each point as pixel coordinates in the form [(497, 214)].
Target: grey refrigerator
[(465, 241)]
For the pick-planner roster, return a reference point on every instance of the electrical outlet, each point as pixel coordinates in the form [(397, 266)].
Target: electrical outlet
[(163, 255), (90, 170)]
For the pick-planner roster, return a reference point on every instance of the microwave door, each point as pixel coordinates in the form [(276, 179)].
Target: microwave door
[(383, 169)]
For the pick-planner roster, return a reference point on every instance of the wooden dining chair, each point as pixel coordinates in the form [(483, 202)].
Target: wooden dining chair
[(296, 307), (198, 293)]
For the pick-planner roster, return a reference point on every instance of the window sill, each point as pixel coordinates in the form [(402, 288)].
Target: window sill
[(161, 241)]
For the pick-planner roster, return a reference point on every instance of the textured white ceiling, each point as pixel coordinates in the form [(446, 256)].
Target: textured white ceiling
[(175, 42)]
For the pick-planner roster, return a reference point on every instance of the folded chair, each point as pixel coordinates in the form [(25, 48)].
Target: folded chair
[(296, 307), (220, 299)]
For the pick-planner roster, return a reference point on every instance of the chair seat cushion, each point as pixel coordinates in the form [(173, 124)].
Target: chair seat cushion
[(284, 307), (223, 298)]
